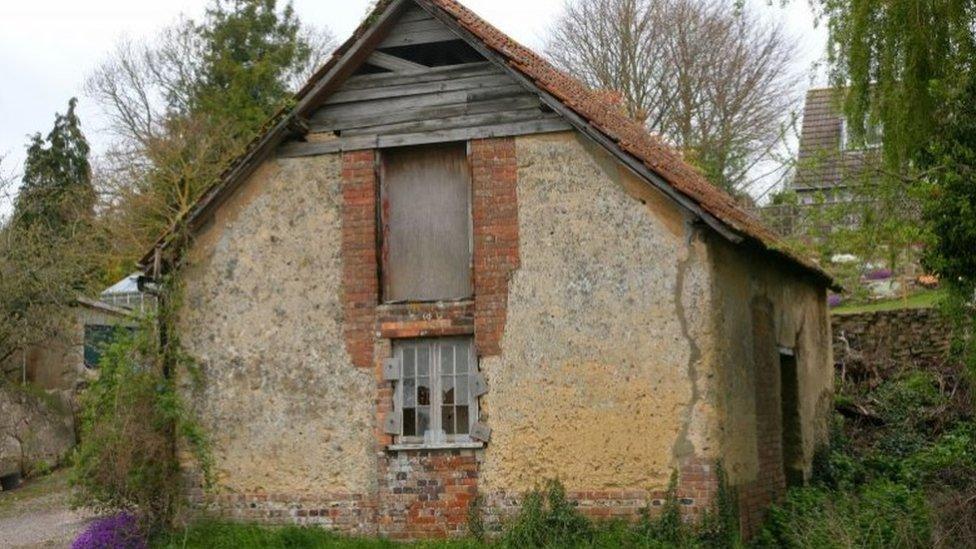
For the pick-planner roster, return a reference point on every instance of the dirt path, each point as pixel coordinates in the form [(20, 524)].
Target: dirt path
[(38, 515)]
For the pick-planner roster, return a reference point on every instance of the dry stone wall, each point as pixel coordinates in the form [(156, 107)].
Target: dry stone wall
[(887, 338)]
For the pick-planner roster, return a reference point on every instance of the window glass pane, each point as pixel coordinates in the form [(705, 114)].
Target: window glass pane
[(447, 389), (461, 389), (409, 370), (447, 359), (461, 352), (409, 392), (447, 419), (462, 420), (423, 420), (409, 422), (423, 391), (423, 360)]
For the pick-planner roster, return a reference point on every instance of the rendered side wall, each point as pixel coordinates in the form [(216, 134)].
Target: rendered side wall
[(762, 307), (288, 412), (601, 379)]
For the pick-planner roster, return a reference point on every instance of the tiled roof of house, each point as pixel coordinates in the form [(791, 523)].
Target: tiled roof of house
[(629, 135), (822, 164)]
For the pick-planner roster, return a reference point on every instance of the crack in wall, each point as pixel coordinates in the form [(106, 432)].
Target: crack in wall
[(683, 447)]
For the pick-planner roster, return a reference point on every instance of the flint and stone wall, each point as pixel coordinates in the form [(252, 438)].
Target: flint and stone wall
[(594, 319)]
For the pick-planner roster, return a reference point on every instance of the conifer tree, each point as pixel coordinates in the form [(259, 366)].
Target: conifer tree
[(57, 188)]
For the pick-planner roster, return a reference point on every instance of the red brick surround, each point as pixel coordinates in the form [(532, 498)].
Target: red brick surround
[(494, 171), (360, 279)]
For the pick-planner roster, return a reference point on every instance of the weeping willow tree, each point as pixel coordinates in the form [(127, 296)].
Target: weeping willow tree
[(900, 61), (910, 67)]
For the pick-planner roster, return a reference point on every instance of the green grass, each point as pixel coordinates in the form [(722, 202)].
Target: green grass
[(921, 300), (224, 535)]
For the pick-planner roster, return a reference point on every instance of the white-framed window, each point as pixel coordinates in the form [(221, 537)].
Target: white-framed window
[(873, 134), (436, 396)]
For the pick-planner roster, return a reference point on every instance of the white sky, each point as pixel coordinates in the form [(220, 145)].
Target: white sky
[(48, 47)]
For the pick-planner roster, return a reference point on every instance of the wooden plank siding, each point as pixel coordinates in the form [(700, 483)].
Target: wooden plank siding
[(426, 224), (414, 104)]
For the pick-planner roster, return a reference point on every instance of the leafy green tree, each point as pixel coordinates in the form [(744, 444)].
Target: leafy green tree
[(182, 106), (910, 66), (249, 49), (899, 60)]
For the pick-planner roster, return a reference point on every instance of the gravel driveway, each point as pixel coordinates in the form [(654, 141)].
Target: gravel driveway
[(38, 514)]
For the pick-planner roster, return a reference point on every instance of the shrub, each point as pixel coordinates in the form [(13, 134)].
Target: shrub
[(549, 519), (120, 531), (131, 420)]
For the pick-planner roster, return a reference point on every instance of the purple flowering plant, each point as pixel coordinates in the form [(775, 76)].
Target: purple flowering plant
[(119, 531), (878, 274)]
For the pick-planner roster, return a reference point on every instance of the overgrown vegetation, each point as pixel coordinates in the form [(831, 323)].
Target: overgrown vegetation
[(224, 535), (900, 470), (49, 247), (909, 67), (133, 422)]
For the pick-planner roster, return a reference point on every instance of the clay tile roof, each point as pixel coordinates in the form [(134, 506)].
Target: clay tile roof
[(629, 134), (822, 162), (605, 116)]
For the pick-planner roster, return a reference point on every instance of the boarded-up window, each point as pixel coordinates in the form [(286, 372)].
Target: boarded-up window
[(426, 216)]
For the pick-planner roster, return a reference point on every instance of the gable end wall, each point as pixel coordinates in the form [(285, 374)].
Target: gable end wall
[(593, 320)]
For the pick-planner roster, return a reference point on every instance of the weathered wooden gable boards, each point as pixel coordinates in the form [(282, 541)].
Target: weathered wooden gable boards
[(417, 104)]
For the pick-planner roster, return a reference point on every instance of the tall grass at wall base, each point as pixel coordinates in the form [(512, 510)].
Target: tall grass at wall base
[(548, 519)]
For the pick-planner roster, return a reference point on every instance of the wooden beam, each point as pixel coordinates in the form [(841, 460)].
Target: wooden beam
[(493, 118), (584, 125), (292, 150), (327, 122), (406, 38), (430, 74), (394, 104), (394, 63), (424, 88)]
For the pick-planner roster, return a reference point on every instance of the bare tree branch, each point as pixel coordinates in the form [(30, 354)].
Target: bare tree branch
[(715, 82)]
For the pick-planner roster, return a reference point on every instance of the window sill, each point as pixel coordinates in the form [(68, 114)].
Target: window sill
[(438, 446)]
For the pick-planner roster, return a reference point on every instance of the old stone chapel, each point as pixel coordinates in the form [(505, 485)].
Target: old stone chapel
[(450, 270)]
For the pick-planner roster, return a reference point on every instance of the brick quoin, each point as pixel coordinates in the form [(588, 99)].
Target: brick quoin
[(494, 174), (360, 278)]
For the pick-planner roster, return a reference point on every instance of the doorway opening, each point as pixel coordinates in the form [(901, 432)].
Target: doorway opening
[(792, 436)]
